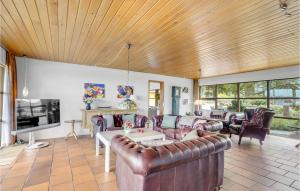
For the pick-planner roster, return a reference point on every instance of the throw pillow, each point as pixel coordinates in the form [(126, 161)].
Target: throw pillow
[(130, 117), (186, 121), (227, 116), (206, 113), (191, 135), (168, 121), (109, 121)]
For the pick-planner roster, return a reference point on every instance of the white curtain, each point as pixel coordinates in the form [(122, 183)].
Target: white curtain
[(6, 113)]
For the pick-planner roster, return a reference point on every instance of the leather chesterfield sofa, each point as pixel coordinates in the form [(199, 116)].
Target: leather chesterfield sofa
[(99, 122), (179, 130), (194, 165), (219, 115)]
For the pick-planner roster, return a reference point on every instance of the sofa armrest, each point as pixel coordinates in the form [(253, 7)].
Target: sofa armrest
[(157, 120), (237, 121), (144, 161), (140, 120), (98, 123)]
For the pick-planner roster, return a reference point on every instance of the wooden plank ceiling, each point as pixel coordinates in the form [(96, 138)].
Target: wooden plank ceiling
[(186, 38)]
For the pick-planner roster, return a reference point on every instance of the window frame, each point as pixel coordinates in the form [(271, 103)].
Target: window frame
[(268, 98), (2, 68)]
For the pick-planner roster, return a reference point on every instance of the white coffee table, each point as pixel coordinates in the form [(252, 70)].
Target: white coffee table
[(106, 137)]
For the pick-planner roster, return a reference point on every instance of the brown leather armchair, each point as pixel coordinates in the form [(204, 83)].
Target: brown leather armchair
[(256, 125), (195, 165)]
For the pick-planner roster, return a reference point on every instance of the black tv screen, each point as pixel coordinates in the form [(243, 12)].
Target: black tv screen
[(35, 114)]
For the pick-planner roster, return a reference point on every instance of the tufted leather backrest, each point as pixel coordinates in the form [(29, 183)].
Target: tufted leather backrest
[(140, 120), (262, 117), (144, 161), (249, 113)]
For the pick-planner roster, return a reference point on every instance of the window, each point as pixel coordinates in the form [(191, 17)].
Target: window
[(227, 97), (227, 90), (227, 104), (288, 108), (252, 103), (253, 94), (253, 89), (286, 88), (208, 104), (282, 96), (207, 91), (285, 97), (207, 97)]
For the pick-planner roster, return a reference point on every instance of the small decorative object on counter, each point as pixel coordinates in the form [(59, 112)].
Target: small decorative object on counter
[(188, 114), (88, 100), (128, 126), (128, 104)]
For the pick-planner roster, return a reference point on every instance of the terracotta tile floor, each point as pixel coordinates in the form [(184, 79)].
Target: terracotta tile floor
[(72, 165)]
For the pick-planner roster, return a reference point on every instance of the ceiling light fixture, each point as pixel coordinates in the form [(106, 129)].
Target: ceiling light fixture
[(284, 6)]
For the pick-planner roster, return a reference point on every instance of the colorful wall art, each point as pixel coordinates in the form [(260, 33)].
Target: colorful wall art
[(94, 90), (124, 91)]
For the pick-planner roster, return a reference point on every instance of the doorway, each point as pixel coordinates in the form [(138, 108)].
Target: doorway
[(155, 98)]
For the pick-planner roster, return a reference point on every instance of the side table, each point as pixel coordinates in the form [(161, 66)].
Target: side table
[(72, 133)]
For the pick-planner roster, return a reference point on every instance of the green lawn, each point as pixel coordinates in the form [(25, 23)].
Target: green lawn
[(285, 124)]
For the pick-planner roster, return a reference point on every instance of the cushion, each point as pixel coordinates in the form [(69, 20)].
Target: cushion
[(168, 121), (130, 117), (217, 112), (186, 121), (205, 113), (118, 121), (201, 120), (228, 114), (191, 135), (109, 121)]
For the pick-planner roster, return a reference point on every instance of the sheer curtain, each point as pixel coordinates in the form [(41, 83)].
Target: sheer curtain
[(6, 111), (9, 98)]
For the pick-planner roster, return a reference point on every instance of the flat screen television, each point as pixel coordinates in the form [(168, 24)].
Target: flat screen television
[(37, 114)]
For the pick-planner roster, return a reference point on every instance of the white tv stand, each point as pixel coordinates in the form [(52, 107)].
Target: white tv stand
[(35, 145)]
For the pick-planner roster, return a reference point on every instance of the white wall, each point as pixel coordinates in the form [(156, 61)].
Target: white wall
[(48, 79), (277, 73)]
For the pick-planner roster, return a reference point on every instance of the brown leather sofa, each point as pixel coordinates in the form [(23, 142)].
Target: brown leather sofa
[(220, 115), (195, 165), (179, 130), (98, 122)]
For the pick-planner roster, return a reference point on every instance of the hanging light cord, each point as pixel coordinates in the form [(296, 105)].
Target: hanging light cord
[(26, 70), (128, 60)]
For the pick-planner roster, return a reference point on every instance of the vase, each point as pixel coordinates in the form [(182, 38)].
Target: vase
[(88, 106)]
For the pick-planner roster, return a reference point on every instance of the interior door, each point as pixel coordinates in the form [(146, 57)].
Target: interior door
[(155, 98)]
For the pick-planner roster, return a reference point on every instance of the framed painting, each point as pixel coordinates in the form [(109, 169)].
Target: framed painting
[(94, 90), (124, 91)]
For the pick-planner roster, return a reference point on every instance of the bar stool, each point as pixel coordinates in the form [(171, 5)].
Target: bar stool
[(72, 133)]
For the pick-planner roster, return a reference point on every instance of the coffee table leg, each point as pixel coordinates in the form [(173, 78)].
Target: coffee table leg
[(107, 158), (97, 146)]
